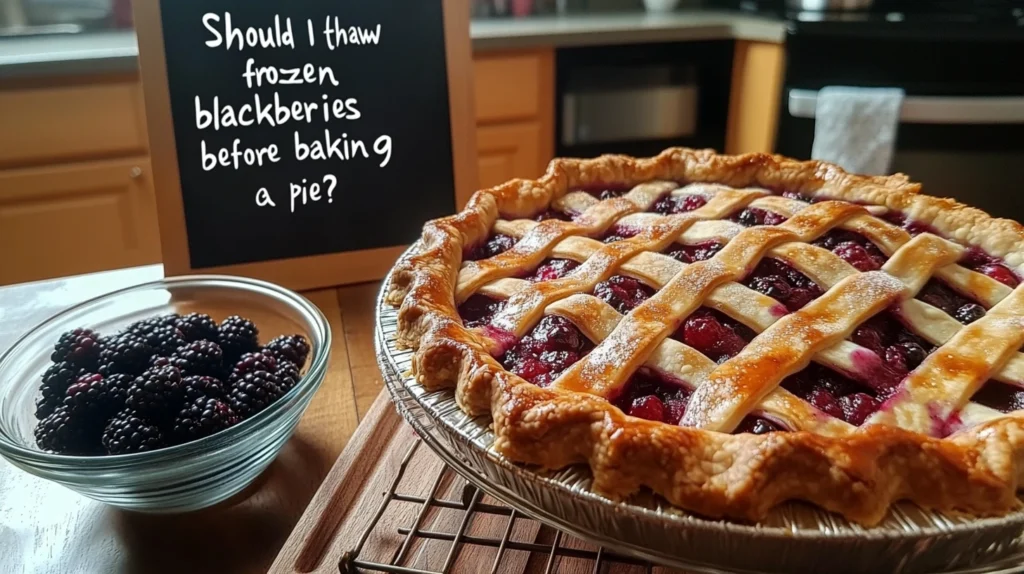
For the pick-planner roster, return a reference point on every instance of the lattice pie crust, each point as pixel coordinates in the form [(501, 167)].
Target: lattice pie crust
[(929, 444)]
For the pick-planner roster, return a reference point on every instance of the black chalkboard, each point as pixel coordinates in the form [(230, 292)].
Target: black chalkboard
[(379, 74)]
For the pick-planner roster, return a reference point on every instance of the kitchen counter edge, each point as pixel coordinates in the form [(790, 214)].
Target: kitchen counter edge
[(117, 51)]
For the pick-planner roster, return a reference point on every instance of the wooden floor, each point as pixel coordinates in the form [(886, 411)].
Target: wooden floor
[(46, 528)]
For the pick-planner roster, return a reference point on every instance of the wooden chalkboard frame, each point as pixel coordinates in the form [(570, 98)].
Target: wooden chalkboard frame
[(301, 272)]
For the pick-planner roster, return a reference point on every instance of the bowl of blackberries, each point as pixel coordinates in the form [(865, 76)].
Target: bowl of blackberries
[(165, 397)]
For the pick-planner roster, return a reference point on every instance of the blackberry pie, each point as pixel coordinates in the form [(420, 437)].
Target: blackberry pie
[(731, 332)]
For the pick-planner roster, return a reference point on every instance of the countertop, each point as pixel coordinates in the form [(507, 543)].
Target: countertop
[(46, 528), (116, 51)]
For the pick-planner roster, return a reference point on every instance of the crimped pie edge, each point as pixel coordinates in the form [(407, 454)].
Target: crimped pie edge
[(714, 474)]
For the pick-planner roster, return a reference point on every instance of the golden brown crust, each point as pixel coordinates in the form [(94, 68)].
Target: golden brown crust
[(738, 476)]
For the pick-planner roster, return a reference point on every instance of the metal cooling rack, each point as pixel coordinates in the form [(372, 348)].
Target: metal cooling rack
[(470, 504)]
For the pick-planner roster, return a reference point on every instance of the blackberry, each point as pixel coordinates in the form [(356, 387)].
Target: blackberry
[(159, 361), (254, 392), (203, 417), (61, 433), (56, 380), (199, 358), (125, 353), (156, 393), (146, 326), (288, 374), (257, 361), (118, 386), (197, 327), (200, 386), (131, 432), (166, 339), (89, 398), (292, 348), (80, 347), (237, 336)]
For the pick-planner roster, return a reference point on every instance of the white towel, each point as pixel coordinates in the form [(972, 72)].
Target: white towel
[(856, 127)]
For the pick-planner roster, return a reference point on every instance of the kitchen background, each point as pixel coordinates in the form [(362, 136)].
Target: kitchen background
[(553, 77)]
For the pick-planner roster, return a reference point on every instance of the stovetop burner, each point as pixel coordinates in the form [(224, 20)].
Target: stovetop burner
[(1008, 12)]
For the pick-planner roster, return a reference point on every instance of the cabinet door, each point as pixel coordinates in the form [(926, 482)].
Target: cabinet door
[(76, 218), (507, 151)]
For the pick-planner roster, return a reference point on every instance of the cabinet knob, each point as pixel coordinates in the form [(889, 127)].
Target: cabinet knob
[(136, 172)]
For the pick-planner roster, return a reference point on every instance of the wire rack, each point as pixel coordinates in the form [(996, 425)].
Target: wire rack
[(471, 503)]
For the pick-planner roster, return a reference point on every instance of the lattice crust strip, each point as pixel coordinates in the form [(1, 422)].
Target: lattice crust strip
[(855, 471)]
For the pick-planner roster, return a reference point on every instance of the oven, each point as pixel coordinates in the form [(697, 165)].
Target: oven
[(961, 125), (639, 99)]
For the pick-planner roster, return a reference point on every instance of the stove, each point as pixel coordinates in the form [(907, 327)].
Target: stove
[(961, 130), (888, 17)]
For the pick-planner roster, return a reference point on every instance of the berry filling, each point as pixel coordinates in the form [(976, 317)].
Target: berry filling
[(618, 233), (853, 248), (552, 214), (781, 282), (977, 260), (938, 294), (603, 192), (752, 216), (553, 269), (693, 253), (648, 396), (623, 293), (548, 349), (1000, 396), (680, 204), (479, 309), (900, 351), (833, 394), (756, 425), (495, 245), (909, 225), (714, 334)]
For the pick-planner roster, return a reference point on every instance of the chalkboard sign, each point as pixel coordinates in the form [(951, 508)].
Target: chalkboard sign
[(304, 141)]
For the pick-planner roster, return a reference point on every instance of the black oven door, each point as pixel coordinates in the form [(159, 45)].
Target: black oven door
[(961, 131)]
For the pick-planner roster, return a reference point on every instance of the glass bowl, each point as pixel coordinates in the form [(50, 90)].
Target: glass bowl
[(191, 475)]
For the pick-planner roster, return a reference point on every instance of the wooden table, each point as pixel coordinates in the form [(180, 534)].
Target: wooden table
[(47, 528)]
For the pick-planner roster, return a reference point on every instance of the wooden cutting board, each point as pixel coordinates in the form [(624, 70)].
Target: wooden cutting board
[(360, 519)]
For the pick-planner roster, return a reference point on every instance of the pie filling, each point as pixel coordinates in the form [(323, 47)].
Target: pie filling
[(623, 293), (553, 214), (495, 245), (618, 233), (1000, 396), (695, 252), (555, 344), (478, 310), (781, 282), (751, 216), (548, 349), (715, 335), (670, 205), (553, 269), (853, 248)]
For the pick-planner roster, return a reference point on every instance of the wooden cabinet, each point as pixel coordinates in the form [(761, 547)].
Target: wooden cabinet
[(76, 194), (757, 71), (509, 150), (76, 218), (514, 93)]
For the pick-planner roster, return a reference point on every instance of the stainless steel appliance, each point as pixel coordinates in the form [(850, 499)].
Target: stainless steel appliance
[(961, 131), (829, 4), (640, 99)]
